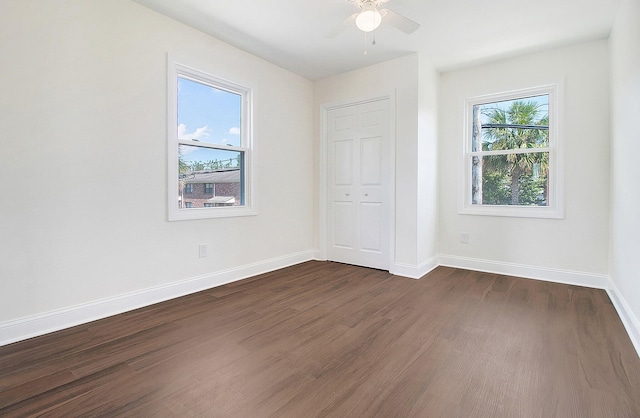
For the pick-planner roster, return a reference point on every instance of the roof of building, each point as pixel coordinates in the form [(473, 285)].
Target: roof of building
[(227, 200), (230, 175)]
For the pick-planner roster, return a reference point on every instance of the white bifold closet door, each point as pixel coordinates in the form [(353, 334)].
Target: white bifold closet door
[(358, 168)]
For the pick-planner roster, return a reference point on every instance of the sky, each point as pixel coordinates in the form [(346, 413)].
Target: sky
[(209, 115)]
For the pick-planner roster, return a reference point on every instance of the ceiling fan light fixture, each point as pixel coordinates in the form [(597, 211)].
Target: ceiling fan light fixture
[(368, 19)]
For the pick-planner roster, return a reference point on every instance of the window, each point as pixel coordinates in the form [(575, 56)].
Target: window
[(209, 142), (511, 155)]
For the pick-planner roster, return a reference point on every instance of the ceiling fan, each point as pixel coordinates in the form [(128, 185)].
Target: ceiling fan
[(370, 17)]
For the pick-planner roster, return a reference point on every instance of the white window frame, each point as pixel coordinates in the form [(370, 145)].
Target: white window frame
[(555, 209), (175, 213)]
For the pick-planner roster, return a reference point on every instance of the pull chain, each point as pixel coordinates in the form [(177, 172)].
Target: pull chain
[(365, 43), (373, 42)]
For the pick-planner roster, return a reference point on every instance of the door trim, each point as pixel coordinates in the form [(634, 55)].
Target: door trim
[(323, 179)]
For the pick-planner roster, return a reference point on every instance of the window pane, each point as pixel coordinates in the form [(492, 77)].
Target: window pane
[(208, 114), (515, 179), (210, 177), (511, 124)]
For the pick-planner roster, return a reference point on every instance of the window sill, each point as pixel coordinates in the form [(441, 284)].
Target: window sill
[(542, 212), (210, 213)]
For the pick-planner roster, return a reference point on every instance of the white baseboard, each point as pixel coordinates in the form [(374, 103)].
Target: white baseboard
[(33, 326), (578, 278), (414, 271), (629, 320)]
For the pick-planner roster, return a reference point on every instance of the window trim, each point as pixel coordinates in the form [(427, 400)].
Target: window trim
[(555, 210), (175, 213)]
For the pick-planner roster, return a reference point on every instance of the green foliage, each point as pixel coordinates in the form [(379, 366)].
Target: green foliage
[(496, 188), (183, 167), (532, 191), (191, 166)]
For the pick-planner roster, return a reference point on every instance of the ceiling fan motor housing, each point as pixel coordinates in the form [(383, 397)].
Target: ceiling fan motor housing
[(368, 4), (369, 17)]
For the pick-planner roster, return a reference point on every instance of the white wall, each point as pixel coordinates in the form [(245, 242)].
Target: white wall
[(414, 83), (83, 173), (579, 242), (624, 45)]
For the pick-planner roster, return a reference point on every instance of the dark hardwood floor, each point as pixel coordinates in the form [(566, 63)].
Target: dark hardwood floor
[(332, 340)]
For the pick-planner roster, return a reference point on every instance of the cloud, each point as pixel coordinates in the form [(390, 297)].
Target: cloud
[(199, 133), (234, 131)]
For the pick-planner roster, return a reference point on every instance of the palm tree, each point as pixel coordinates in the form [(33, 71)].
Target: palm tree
[(516, 128)]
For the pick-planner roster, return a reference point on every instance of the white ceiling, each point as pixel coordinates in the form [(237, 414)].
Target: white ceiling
[(454, 33)]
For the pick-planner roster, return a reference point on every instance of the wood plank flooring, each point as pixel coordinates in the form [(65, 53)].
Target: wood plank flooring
[(322, 339)]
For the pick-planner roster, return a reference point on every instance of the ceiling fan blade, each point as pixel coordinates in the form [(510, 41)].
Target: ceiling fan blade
[(341, 27), (398, 21)]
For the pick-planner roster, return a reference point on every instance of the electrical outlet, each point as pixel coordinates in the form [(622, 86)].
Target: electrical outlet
[(464, 238), (202, 250)]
